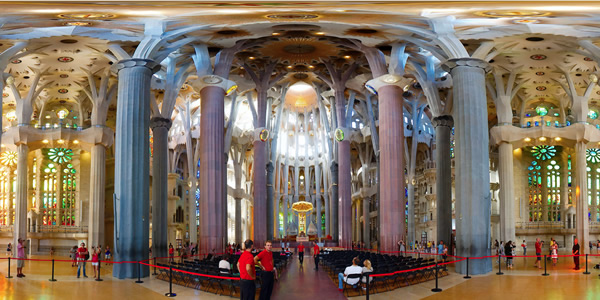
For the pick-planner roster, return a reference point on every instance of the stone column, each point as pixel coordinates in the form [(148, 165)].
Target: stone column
[(211, 168), (391, 131), (334, 202), (20, 226), (344, 198), (132, 166), (160, 193), (443, 131), (238, 220), (545, 196), (473, 203), (564, 192), (353, 222), (358, 223), (582, 225), (59, 195), (507, 192), (270, 208), (367, 222), (97, 193)]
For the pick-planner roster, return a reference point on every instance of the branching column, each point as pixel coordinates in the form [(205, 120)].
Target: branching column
[(582, 226), (391, 133), (443, 129), (507, 192), (473, 203), (160, 131), (132, 166), (20, 229), (211, 167), (97, 194)]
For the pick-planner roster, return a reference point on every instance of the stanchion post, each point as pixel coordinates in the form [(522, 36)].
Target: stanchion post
[(170, 293), (368, 284), (467, 276), (586, 265), (499, 265), (154, 267), (99, 267), (545, 273), (437, 289), (52, 279), (9, 268), (139, 273)]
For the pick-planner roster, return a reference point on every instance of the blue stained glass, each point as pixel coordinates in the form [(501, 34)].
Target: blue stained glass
[(528, 124), (537, 123), (530, 168), (534, 162)]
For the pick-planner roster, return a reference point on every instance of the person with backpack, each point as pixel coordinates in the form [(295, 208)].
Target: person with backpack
[(82, 256)]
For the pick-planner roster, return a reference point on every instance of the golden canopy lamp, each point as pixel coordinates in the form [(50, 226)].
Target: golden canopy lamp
[(302, 208)]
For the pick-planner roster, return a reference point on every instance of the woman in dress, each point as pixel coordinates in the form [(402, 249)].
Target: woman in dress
[(554, 248), (73, 254)]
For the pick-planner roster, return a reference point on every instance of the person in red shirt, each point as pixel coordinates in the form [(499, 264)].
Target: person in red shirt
[(265, 260), (316, 252), (171, 254), (245, 266), (538, 252), (301, 253), (82, 253)]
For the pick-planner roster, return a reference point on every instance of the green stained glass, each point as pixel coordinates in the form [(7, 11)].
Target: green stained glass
[(592, 155), (541, 110), (543, 152), (60, 155), (593, 114)]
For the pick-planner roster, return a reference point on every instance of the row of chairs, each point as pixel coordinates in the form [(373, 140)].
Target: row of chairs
[(336, 261)]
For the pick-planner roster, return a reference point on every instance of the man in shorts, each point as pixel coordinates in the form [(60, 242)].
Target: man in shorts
[(538, 253), (20, 258)]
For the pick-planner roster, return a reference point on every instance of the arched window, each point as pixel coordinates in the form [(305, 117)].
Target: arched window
[(544, 183), (593, 183), (8, 184), (59, 187)]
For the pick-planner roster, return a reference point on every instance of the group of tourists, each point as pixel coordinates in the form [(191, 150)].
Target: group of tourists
[(182, 251), (80, 256)]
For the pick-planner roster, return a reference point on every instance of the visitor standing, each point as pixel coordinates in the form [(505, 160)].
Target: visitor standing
[(402, 248), (82, 257), (265, 260), (508, 253), (9, 249), (538, 253), (171, 253), (20, 257), (73, 255), (554, 252), (95, 256), (107, 254), (301, 253), (576, 253), (316, 252), (524, 245), (245, 266)]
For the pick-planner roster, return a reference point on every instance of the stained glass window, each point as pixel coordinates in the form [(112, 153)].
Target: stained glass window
[(593, 114), (592, 155), (543, 152), (541, 110), (60, 155)]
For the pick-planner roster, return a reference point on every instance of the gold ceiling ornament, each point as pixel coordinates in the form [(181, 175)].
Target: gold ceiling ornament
[(292, 17), (302, 206), (299, 50), (87, 16), (512, 14), (8, 158)]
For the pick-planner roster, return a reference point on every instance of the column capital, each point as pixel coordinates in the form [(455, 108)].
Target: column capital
[(214, 80), (466, 62), (443, 120), (375, 84), (138, 62), (157, 122)]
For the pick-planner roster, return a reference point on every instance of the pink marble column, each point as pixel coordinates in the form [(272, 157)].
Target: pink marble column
[(391, 143), (211, 168), (259, 174)]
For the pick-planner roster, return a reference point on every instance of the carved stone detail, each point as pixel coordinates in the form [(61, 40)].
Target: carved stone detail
[(443, 120), (466, 62), (139, 62)]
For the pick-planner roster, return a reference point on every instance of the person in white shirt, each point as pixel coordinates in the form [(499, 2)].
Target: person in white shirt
[(224, 264), (353, 269)]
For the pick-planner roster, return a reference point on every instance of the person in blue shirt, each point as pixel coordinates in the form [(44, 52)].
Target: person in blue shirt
[(440, 248)]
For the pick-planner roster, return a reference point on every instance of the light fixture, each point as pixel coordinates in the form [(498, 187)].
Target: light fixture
[(275, 33), (45, 141), (251, 57), (289, 67), (347, 56), (61, 141), (557, 139), (542, 139), (320, 33), (75, 142), (527, 139)]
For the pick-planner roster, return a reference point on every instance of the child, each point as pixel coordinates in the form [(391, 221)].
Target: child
[(107, 254)]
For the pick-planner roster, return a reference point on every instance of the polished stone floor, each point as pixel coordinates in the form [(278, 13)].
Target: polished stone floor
[(522, 282)]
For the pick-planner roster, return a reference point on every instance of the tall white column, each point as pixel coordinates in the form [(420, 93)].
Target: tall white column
[(20, 227), (132, 166), (97, 192), (582, 225), (473, 202), (507, 192), (367, 222)]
